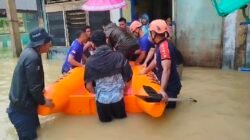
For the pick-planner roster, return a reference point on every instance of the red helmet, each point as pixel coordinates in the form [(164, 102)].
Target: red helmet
[(134, 25), (159, 26)]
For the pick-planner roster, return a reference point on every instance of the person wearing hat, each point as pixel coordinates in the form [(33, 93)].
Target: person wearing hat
[(111, 72), (27, 87), (143, 41), (164, 62)]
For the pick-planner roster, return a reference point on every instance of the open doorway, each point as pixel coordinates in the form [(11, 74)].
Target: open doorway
[(156, 9)]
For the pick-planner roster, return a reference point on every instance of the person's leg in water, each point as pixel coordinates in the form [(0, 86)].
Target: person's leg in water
[(104, 112), (26, 125), (118, 109)]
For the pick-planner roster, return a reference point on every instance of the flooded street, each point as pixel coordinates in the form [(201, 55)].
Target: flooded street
[(222, 111)]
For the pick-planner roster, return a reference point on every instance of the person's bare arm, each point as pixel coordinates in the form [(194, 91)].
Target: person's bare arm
[(126, 88), (151, 66), (90, 87), (87, 46), (141, 57), (166, 65), (137, 51), (84, 59), (149, 56), (73, 62)]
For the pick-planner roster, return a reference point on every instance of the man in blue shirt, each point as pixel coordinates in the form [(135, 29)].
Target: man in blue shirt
[(143, 41), (75, 53)]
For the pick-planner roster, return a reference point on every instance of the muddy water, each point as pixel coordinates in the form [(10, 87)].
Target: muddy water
[(222, 111)]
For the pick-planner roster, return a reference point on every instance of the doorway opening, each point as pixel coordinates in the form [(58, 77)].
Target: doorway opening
[(155, 9)]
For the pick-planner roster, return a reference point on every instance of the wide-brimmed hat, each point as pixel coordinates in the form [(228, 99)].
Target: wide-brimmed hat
[(38, 37)]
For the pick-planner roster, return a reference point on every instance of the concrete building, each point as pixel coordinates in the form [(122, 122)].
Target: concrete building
[(204, 38), (65, 17)]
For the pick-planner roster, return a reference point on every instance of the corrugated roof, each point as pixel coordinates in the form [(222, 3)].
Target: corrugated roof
[(21, 4)]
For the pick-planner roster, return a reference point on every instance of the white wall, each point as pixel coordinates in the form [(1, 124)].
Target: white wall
[(229, 41), (248, 48), (115, 15)]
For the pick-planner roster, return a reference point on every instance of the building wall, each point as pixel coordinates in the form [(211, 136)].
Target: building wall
[(236, 42), (115, 15), (126, 11), (199, 33), (229, 41), (21, 4), (28, 18), (29, 21), (241, 41), (248, 48)]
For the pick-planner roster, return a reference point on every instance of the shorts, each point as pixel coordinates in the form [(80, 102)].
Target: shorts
[(26, 124), (107, 112)]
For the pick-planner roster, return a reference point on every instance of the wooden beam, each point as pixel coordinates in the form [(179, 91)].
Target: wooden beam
[(14, 27)]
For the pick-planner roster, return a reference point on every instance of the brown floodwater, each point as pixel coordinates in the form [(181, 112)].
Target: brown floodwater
[(222, 111)]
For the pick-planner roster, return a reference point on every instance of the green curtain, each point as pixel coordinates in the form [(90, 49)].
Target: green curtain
[(225, 7)]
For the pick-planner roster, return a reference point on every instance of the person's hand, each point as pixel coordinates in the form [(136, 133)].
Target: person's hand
[(144, 65), (49, 103), (155, 81), (137, 51), (136, 63), (143, 71), (127, 88), (164, 96), (150, 75), (89, 45), (153, 78), (91, 93)]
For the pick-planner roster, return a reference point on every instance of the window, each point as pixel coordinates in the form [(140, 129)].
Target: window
[(76, 20), (96, 19), (56, 28)]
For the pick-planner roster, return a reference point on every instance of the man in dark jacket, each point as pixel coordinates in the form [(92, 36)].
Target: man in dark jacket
[(111, 72), (27, 86), (118, 40)]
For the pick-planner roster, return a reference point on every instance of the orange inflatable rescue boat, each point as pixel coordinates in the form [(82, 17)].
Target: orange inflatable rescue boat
[(70, 96)]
